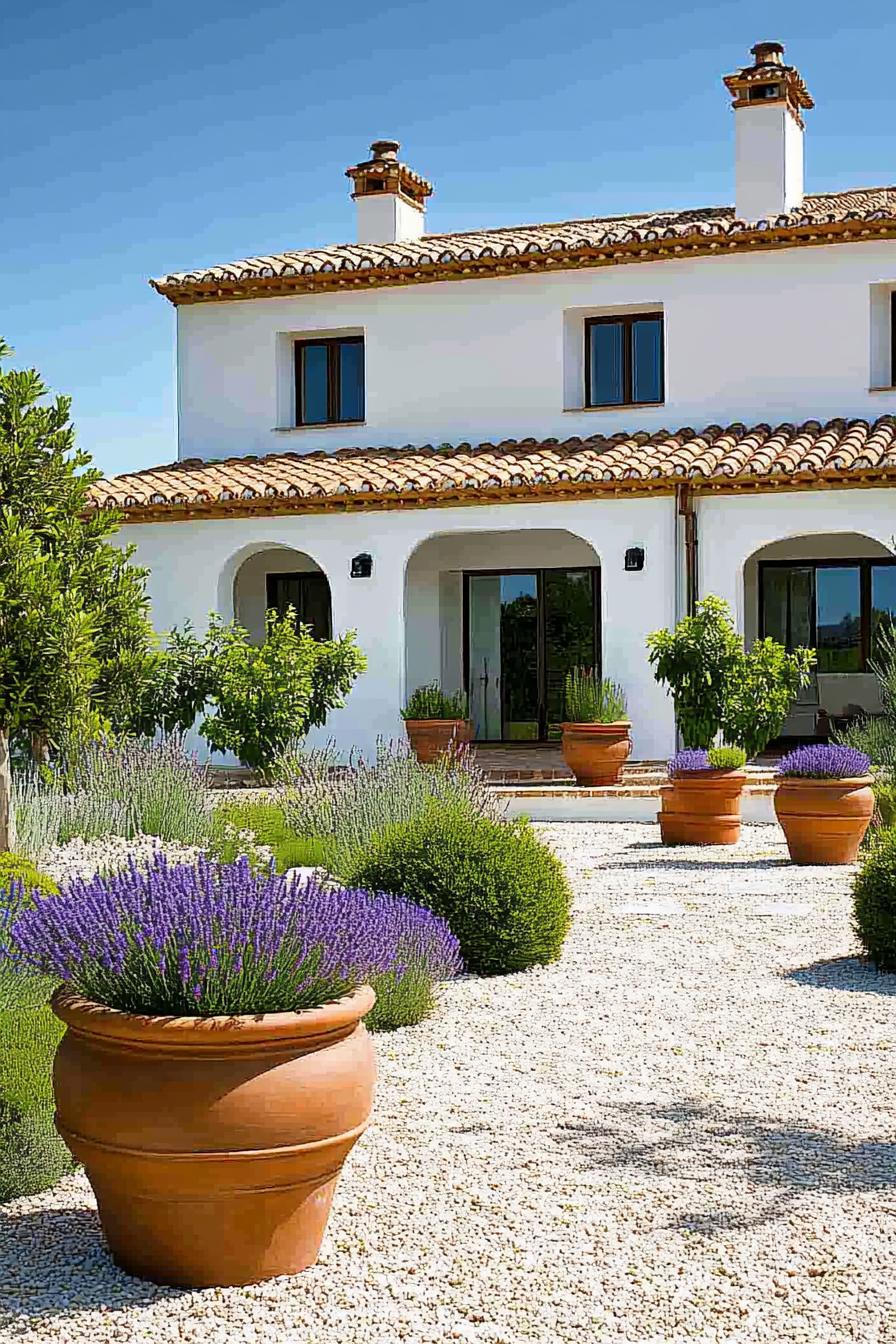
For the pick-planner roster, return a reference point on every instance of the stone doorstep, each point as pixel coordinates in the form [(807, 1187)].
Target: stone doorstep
[(569, 790)]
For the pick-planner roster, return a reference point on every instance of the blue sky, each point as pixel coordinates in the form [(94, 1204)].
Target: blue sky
[(145, 138)]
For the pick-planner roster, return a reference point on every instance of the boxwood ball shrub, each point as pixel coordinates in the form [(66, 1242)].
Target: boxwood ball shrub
[(874, 902), (501, 890), (726, 758), (32, 1155)]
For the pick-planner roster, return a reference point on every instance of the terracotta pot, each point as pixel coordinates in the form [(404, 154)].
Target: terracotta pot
[(431, 738), (701, 807), (596, 752), (824, 820), (213, 1145)]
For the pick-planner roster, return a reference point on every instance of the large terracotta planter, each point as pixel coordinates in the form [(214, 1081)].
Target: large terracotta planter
[(824, 820), (701, 807), (596, 752), (213, 1145), (431, 738)]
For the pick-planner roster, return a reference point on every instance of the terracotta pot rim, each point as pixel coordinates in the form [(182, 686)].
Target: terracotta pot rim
[(87, 1018), (831, 781), (440, 722), (617, 726), (707, 776)]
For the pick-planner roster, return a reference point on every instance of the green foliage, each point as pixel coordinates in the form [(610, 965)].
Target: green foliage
[(876, 735), (343, 808), (401, 1001), (32, 1156), (759, 696), (179, 681), (589, 699), (717, 686), (258, 828), (726, 758), (874, 901), (503, 892), (268, 695), (431, 702)]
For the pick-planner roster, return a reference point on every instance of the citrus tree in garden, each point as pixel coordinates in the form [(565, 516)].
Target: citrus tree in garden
[(75, 640)]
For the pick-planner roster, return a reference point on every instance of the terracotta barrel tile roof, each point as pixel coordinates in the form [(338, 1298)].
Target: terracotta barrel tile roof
[(840, 451), (838, 216)]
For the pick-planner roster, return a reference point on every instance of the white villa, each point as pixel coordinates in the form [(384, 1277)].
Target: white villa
[(497, 454)]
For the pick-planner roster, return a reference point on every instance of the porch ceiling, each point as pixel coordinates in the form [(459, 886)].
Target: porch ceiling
[(811, 455)]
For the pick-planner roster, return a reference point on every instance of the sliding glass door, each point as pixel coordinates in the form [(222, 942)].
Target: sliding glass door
[(524, 631)]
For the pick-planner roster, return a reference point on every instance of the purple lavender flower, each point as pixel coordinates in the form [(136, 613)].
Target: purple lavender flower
[(211, 938), (824, 760), (690, 759)]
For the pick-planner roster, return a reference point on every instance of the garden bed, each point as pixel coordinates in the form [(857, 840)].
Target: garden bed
[(682, 1130)]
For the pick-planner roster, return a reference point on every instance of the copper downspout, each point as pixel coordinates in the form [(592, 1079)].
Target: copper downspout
[(685, 501)]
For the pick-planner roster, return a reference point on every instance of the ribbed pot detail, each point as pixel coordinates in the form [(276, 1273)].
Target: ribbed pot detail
[(824, 820), (213, 1145), (431, 738), (701, 807), (596, 752)]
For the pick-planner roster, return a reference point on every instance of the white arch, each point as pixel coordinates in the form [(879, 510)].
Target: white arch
[(229, 572)]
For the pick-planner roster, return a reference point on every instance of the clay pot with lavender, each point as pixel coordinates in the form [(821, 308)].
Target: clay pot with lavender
[(700, 805), (824, 802)]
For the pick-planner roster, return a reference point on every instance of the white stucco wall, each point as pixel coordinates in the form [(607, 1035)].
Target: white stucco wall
[(783, 335), (193, 566)]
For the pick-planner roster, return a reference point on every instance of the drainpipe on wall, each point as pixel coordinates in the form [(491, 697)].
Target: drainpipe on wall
[(684, 499)]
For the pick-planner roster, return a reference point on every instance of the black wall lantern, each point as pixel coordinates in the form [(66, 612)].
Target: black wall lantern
[(362, 566), (634, 559)]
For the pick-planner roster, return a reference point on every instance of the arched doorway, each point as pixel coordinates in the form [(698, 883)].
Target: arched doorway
[(504, 616), (278, 577), (833, 592)]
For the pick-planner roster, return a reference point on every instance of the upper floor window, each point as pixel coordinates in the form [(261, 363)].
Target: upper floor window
[(624, 360), (330, 381)]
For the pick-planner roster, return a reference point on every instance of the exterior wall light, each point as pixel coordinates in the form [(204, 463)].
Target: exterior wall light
[(634, 559), (362, 566)]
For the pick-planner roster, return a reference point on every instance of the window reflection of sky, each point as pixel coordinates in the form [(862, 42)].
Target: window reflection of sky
[(517, 585), (838, 596)]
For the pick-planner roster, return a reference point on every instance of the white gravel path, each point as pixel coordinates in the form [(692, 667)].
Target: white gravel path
[(683, 1131)]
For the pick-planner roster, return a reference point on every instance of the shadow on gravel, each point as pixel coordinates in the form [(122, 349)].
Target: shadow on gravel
[(682, 856), (54, 1261), (853, 974), (690, 1144)]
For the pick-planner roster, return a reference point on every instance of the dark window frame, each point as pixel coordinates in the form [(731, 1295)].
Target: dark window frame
[(270, 583), (333, 345), (541, 635), (627, 322), (864, 565)]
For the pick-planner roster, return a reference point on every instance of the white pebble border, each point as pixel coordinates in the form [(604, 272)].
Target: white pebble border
[(683, 1131)]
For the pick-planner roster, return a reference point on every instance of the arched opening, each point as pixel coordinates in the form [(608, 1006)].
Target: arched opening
[(833, 592), (279, 577), (503, 616)]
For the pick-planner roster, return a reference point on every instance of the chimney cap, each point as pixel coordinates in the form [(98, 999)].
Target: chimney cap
[(385, 149), (768, 53), (769, 79)]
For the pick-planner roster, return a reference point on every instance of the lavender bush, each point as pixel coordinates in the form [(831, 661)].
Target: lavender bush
[(689, 760), (205, 939), (824, 761)]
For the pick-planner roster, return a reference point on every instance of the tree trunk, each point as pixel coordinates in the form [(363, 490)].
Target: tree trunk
[(40, 749), (7, 820)]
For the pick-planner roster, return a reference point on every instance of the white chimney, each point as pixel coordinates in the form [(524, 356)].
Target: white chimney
[(769, 98), (390, 198)]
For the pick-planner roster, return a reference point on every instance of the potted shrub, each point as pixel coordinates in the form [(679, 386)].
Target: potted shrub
[(215, 1071), (596, 735), (436, 720), (701, 803), (719, 688), (824, 802)]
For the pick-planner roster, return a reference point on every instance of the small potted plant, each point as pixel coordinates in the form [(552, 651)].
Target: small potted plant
[(215, 1071), (596, 735), (824, 802), (700, 805), (436, 721)]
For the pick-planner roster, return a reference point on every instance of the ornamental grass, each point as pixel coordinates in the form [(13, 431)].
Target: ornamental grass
[(210, 939)]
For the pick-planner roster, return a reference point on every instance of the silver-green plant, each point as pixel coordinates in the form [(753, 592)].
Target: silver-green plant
[(591, 699), (344, 806)]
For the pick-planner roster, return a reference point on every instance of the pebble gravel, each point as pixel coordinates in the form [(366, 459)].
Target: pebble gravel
[(682, 1131)]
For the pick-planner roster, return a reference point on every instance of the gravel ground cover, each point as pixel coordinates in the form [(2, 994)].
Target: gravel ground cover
[(681, 1131)]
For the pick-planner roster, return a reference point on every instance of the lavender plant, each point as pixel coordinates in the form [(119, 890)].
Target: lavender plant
[(822, 760), (688, 761), (206, 939), (160, 788), (343, 808)]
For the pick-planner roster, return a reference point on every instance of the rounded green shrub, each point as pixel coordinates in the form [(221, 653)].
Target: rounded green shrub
[(32, 1155), (726, 758), (874, 902), (503, 892)]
